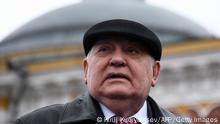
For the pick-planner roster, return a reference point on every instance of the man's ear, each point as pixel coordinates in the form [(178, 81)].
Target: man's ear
[(156, 73), (85, 69)]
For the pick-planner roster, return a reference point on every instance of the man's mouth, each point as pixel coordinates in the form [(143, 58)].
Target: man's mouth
[(117, 76)]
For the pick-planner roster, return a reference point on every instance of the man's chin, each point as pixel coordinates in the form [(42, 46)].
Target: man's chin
[(117, 95)]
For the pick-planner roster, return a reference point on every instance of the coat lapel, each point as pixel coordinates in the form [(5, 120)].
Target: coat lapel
[(84, 109), (154, 112)]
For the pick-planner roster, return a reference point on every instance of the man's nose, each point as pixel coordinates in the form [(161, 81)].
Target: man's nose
[(118, 59)]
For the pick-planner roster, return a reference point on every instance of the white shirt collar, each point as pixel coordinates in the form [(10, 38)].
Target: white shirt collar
[(141, 115)]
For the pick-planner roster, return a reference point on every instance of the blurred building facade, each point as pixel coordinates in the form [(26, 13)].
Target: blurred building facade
[(40, 63)]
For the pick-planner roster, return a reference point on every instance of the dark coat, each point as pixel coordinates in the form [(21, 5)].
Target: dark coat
[(86, 110)]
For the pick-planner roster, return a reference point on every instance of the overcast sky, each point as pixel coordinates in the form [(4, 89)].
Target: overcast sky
[(15, 13)]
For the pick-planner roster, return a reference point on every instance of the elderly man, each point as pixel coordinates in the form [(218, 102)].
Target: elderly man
[(122, 63)]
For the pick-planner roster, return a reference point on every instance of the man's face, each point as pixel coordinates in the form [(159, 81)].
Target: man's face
[(118, 68)]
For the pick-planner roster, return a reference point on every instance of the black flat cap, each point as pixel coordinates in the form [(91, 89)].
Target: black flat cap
[(126, 28)]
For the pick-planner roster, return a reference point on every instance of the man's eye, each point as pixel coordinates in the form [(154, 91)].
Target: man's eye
[(133, 51), (103, 49)]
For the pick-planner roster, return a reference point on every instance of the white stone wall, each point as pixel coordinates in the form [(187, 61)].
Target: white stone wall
[(188, 80)]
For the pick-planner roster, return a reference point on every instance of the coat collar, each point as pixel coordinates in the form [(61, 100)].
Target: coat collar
[(83, 109)]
